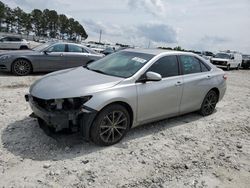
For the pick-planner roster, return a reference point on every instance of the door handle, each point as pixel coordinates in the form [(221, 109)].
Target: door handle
[(178, 83), (208, 76), (61, 54)]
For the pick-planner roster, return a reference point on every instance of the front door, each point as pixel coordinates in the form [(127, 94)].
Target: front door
[(161, 98), (53, 58)]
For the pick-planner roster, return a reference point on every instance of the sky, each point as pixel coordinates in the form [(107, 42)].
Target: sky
[(192, 24)]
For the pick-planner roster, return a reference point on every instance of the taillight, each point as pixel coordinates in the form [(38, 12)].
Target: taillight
[(225, 77)]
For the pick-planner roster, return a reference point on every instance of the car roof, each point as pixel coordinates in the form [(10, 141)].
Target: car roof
[(157, 51)]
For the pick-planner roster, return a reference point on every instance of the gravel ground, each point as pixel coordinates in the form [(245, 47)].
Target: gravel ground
[(187, 151)]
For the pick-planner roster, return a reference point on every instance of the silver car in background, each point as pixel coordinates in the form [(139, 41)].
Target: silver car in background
[(50, 56), (126, 89)]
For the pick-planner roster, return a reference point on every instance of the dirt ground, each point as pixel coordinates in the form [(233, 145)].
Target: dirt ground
[(187, 151)]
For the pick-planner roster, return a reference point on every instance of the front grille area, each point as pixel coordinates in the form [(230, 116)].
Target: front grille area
[(3, 67), (219, 62)]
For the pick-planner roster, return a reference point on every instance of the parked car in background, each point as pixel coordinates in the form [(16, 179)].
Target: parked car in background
[(245, 61), (13, 43), (227, 60), (207, 55), (47, 57), (109, 50), (125, 89)]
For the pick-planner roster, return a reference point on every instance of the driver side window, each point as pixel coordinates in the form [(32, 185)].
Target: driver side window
[(57, 48), (166, 66)]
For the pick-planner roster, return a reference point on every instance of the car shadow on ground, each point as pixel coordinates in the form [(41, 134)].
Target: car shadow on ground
[(25, 139), (8, 74)]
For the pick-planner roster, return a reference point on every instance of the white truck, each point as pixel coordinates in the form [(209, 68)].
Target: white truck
[(227, 60)]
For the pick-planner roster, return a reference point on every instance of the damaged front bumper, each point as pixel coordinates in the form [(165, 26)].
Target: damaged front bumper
[(80, 119)]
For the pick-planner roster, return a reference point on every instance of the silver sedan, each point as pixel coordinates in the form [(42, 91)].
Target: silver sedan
[(47, 57), (126, 89)]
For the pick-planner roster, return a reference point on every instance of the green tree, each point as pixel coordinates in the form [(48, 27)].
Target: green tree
[(9, 19), (2, 14), (36, 20), (63, 22)]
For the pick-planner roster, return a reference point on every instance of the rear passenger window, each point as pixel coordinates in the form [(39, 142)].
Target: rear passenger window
[(166, 66), (203, 67), (190, 64)]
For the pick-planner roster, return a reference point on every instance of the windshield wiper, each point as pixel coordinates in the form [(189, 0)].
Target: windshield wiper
[(99, 71)]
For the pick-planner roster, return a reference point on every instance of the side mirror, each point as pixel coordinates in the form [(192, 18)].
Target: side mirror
[(232, 57), (46, 52), (153, 76), (150, 76)]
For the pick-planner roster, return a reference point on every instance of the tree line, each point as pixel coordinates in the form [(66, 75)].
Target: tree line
[(42, 23)]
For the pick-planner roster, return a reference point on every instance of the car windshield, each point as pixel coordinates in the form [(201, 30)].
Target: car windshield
[(42, 46), (121, 64), (222, 56), (246, 56)]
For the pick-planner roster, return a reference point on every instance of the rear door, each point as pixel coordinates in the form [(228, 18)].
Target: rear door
[(14, 43), (197, 81), (162, 98), (53, 58)]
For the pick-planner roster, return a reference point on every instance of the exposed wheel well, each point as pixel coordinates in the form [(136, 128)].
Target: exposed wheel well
[(23, 59), (217, 91)]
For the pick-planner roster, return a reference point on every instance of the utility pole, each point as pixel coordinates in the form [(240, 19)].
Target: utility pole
[(100, 37), (149, 44)]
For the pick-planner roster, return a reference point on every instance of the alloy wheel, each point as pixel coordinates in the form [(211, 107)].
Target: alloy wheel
[(113, 126), (210, 103), (21, 67)]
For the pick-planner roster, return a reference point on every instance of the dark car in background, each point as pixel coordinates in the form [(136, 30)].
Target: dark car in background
[(245, 61), (47, 57), (109, 50)]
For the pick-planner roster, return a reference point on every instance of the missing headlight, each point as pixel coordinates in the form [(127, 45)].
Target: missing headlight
[(74, 103)]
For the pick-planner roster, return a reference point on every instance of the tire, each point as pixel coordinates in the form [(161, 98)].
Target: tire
[(238, 67), (209, 103), (110, 125), (23, 47), (228, 67), (21, 67)]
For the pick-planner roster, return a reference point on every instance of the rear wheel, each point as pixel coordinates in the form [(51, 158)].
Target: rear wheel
[(21, 67), (209, 103), (238, 67), (110, 126), (24, 47)]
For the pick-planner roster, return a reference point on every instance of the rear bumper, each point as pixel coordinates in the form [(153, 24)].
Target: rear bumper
[(80, 120)]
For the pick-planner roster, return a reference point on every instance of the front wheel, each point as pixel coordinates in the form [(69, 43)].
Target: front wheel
[(110, 126), (21, 67), (228, 67), (209, 103)]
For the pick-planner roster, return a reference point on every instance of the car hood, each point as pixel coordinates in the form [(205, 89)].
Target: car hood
[(19, 52), (69, 83), (219, 59)]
